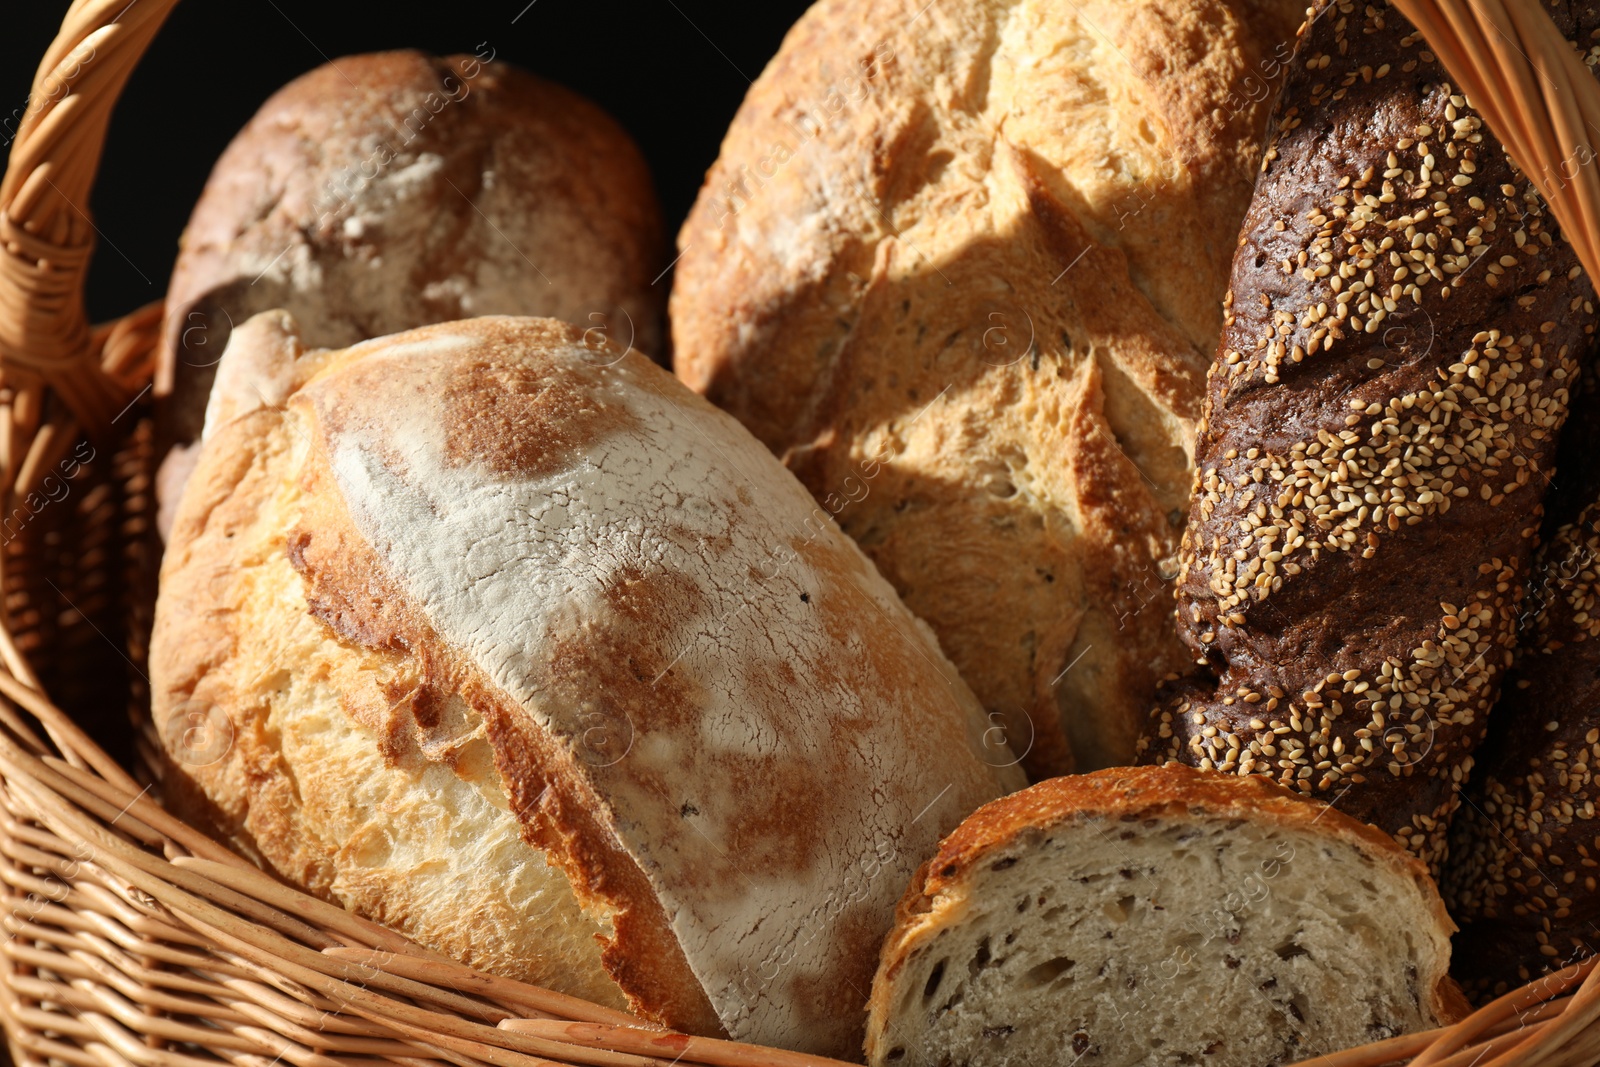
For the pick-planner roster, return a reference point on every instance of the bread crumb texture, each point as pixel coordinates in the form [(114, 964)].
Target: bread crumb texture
[(961, 267), (1158, 917), (533, 653)]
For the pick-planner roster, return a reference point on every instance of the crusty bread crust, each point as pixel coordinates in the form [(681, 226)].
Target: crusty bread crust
[(1172, 789), (385, 191), (938, 892), (291, 789), (962, 268), (493, 555)]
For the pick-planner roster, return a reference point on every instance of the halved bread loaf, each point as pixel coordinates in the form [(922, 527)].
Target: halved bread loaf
[(1159, 916)]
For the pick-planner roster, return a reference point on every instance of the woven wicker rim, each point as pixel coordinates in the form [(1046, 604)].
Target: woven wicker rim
[(135, 940)]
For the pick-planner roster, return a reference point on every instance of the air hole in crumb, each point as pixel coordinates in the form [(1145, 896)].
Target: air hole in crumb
[(934, 979), (896, 1054), (1298, 1006), (1290, 949), (1119, 910), (1005, 864), (1001, 488), (1046, 972), (981, 958)]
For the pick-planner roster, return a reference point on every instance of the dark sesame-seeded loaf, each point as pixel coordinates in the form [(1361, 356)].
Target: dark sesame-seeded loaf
[(1523, 878), (1404, 324), (962, 267), (1156, 917)]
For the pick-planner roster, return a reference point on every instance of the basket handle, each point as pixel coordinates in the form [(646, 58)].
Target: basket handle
[(1536, 94), (46, 234)]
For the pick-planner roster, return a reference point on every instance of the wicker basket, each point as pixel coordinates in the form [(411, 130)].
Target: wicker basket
[(133, 939)]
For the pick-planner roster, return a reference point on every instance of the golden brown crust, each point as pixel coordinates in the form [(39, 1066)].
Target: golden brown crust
[(550, 572), (1172, 789), (962, 269), (347, 587), (389, 190), (214, 640)]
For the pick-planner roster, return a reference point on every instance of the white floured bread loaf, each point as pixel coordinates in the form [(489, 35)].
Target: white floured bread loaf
[(1155, 918), (962, 266), (391, 190), (528, 651)]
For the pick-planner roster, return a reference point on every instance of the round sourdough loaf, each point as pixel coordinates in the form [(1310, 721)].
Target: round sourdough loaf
[(386, 191), (962, 266), (1160, 917), (517, 645)]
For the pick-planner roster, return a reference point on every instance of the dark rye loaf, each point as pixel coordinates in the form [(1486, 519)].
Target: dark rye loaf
[(1524, 872), (1404, 322)]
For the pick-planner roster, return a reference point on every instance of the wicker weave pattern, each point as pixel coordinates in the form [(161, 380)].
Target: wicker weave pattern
[(132, 939), (1536, 94)]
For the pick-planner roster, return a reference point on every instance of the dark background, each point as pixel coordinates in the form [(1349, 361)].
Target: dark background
[(672, 72)]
